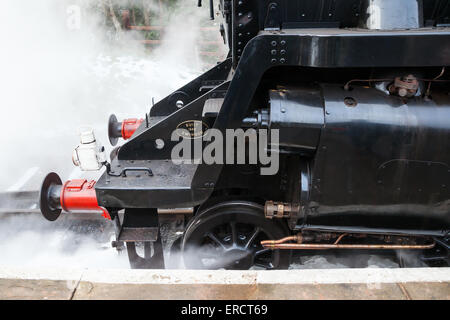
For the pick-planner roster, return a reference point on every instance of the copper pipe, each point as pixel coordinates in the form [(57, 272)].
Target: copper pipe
[(317, 246), (340, 238), (434, 79), (347, 85), (280, 241)]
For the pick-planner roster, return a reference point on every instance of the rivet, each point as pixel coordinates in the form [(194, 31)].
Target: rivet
[(283, 42), (274, 52), (273, 60), (283, 51), (273, 43), (282, 60)]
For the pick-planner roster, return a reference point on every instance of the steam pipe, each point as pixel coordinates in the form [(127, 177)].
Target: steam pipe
[(281, 244), (73, 195), (319, 246)]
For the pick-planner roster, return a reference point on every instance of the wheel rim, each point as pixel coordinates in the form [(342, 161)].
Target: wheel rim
[(228, 236)]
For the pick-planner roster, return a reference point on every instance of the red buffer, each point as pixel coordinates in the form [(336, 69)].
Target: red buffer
[(129, 126), (74, 195), (124, 129)]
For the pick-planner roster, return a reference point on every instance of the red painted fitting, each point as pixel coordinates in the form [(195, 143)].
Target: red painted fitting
[(129, 126), (80, 194)]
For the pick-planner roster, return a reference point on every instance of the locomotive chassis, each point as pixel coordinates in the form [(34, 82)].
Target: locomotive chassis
[(363, 162)]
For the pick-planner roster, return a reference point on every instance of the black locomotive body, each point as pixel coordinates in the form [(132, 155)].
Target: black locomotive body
[(359, 92)]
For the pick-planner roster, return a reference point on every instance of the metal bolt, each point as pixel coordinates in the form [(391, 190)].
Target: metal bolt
[(282, 60), (283, 42), (350, 102), (274, 52), (273, 43), (179, 104)]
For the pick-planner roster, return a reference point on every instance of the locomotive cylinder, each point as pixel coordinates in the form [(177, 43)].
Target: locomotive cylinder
[(299, 117)]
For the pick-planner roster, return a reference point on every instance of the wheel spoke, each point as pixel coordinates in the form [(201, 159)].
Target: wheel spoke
[(216, 240), (252, 237), (259, 252), (233, 233)]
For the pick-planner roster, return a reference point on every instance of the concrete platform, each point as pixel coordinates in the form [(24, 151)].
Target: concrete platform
[(371, 283)]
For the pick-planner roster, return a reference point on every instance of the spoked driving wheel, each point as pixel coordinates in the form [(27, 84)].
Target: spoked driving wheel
[(229, 235)]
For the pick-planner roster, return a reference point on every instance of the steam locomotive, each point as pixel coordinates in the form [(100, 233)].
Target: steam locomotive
[(346, 105)]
